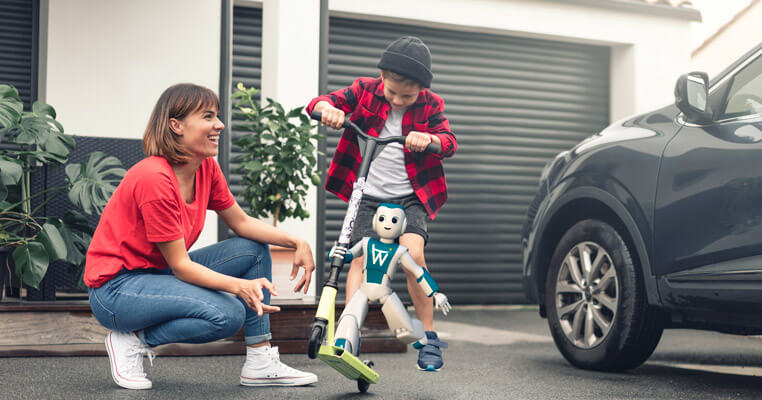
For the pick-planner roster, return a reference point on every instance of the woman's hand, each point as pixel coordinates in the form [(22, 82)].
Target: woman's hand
[(251, 292), (303, 259)]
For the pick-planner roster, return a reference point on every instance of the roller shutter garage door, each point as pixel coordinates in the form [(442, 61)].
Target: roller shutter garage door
[(513, 103), (247, 68), (18, 28)]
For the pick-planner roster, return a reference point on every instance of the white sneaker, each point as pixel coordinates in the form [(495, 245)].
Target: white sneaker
[(125, 354), (263, 368)]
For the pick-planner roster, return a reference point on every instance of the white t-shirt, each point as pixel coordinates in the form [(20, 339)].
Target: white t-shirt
[(387, 177)]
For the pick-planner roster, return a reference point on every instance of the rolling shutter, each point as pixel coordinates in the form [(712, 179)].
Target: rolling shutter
[(18, 27), (513, 103)]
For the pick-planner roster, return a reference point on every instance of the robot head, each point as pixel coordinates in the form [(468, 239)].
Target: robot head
[(389, 221)]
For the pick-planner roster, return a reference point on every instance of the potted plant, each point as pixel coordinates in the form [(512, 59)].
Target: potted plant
[(30, 241), (278, 161)]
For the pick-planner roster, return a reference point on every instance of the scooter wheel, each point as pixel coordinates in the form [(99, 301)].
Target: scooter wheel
[(362, 384), (316, 338)]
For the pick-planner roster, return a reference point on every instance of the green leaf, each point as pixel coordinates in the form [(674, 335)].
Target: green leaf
[(253, 166), (43, 110), (10, 170), (53, 241), (315, 179), (31, 262), (91, 188), (11, 107)]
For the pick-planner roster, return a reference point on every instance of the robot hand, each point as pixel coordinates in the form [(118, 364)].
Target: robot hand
[(340, 251), (441, 303)]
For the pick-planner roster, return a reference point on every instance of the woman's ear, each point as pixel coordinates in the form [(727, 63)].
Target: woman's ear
[(176, 126)]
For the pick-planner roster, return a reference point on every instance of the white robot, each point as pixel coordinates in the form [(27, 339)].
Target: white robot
[(381, 259)]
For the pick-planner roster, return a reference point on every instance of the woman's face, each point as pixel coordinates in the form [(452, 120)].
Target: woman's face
[(200, 132)]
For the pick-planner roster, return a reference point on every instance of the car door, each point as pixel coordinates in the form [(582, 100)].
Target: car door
[(708, 206)]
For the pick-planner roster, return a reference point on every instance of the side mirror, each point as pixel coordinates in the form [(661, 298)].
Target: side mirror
[(691, 97)]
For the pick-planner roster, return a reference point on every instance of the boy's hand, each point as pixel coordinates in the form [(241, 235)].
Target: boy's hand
[(332, 116), (417, 141)]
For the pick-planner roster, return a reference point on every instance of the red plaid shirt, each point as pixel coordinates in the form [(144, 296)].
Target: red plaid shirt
[(368, 107)]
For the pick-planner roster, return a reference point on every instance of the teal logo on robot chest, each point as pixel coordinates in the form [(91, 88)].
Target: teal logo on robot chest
[(381, 255)]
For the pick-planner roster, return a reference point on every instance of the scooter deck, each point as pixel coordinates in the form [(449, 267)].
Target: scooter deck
[(347, 364)]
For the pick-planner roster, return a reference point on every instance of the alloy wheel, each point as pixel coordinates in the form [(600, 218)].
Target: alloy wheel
[(587, 295)]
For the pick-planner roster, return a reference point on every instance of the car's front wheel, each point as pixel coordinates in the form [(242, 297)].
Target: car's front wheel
[(596, 301)]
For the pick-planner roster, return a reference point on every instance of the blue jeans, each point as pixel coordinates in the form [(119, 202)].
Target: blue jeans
[(164, 309)]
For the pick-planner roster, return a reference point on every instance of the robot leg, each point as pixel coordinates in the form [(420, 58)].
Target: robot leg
[(350, 322), (407, 330)]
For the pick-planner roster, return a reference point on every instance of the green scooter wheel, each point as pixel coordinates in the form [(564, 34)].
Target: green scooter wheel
[(316, 338)]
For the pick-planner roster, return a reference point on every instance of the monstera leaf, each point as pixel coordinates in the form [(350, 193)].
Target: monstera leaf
[(94, 181), (11, 108), (31, 260)]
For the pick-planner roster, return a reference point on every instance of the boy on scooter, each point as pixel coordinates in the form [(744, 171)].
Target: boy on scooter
[(399, 102)]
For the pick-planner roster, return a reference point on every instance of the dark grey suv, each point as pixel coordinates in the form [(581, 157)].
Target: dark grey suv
[(656, 222)]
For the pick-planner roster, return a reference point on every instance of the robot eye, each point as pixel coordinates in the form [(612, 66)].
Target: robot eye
[(394, 220), (381, 219)]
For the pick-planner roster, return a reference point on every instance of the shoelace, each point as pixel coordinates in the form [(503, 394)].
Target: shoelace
[(275, 357), (135, 365)]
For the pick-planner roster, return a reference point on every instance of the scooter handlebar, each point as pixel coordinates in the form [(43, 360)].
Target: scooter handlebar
[(431, 148)]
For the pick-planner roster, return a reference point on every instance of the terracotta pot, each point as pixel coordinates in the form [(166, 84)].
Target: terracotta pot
[(283, 261)]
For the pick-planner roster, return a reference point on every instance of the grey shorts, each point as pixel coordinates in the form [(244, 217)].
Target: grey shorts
[(414, 212)]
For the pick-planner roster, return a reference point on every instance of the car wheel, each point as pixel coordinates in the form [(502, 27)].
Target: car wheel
[(596, 301)]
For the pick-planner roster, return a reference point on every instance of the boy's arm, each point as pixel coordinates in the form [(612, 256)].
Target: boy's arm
[(344, 99), (439, 127)]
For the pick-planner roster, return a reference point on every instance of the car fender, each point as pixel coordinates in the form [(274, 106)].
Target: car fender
[(578, 187)]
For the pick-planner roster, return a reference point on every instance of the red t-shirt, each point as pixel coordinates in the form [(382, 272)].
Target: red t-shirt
[(146, 208)]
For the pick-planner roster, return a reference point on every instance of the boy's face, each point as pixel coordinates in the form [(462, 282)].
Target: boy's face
[(400, 95)]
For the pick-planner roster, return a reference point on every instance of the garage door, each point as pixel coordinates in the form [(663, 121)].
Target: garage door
[(513, 103), (18, 28)]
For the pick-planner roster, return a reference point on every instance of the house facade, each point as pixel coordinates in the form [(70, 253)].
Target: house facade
[(522, 81)]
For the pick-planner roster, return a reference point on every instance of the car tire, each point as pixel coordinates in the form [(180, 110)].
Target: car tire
[(600, 318)]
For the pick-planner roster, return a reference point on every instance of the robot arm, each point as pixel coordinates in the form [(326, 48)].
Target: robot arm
[(422, 276), (427, 283), (349, 254)]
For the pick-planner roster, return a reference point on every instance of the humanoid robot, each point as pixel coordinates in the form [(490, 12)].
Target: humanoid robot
[(381, 259)]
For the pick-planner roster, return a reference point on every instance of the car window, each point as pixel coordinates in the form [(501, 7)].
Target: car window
[(745, 95)]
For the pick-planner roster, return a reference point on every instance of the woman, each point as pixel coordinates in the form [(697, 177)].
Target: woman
[(147, 288)]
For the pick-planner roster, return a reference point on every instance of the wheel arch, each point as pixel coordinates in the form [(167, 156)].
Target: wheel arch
[(590, 203)]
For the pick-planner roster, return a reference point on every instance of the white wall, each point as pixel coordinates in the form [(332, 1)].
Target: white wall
[(731, 43), (654, 50), (290, 65), (109, 60)]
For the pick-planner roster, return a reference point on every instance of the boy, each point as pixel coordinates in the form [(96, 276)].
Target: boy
[(397, 103)]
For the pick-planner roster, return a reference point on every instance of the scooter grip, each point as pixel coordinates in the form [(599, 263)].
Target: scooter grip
[(433, 148), (318, 116)]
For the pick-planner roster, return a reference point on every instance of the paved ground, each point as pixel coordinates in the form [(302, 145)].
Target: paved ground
[(494, 354)]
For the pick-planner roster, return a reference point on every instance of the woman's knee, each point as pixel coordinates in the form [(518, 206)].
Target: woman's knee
[(230, 315), (243, 245)]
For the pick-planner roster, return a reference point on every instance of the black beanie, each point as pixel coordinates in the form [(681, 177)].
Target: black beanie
[(410, 57)]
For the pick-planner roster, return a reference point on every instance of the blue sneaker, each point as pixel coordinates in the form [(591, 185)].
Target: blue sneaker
[(430, 355)]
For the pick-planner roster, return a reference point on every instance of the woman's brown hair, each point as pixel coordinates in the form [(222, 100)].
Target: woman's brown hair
[(178, 101)]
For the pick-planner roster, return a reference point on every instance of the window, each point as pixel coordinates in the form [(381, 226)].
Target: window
[(745, 95)]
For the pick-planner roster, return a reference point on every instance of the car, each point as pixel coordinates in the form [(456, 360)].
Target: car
[(653, 223)]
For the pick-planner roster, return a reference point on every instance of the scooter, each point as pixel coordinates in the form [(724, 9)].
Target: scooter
[(321, 344)]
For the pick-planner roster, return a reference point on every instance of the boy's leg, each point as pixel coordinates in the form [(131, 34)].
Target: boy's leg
[(424, 306), (354, 277)]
